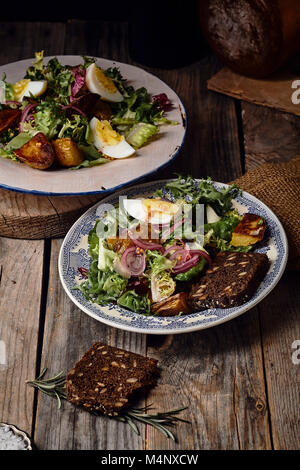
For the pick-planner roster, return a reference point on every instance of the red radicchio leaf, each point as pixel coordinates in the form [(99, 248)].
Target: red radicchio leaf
[(162, 101), (79, 80)]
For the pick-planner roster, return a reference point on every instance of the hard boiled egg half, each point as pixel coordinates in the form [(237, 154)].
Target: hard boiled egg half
[(108, 141), (26, 88), (97, 82), (153, 211)]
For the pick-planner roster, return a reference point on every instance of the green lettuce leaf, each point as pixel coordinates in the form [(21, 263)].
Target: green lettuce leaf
[(49, 118), (191, 273), (36, 71), (9, 92), (77, 128), (140, 134), (136, 303)]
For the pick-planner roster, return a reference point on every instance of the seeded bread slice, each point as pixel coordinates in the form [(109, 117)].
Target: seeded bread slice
[(230, 281), (106, 379)]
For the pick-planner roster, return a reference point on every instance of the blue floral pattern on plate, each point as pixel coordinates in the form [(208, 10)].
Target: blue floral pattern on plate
[(74, 254)]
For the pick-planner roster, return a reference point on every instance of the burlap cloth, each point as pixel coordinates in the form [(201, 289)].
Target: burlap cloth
[(278, 186)]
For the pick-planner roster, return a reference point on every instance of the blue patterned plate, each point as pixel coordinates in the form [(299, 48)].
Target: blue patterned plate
[(74, 254)]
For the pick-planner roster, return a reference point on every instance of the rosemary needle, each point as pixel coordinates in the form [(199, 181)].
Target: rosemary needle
[(55, 387)]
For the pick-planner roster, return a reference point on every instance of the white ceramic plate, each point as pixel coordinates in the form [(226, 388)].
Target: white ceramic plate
[(110, 176), (74, 254)]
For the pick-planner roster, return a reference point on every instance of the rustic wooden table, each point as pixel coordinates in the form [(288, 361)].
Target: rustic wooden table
[(238, 379)]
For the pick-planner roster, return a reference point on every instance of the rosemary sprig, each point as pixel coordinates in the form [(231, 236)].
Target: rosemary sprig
[(55, 387), (158, 420)]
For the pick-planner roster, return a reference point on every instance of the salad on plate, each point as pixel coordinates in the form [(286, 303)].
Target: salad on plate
[(76, 116), (147, 255)]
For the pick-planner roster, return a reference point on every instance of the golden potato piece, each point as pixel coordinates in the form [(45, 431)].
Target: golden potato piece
[(9, 118), (249, 231), (172, 306), (37, 153), (67, 152)]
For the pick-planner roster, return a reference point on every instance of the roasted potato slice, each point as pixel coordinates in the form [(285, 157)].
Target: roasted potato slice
[(172, 306), (249, 231), (37, 153), (67, 152), (9, 118)]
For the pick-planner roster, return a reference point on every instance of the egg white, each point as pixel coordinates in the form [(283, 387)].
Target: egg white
[(95, 86), (137, 208), (35, 88), (120, 150)]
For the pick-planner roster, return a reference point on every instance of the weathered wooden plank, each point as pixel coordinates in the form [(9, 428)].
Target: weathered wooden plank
[(211, 146), (280, 324), (21, 265), (270, 135), (98, 39), (20, 40), (218, 374)]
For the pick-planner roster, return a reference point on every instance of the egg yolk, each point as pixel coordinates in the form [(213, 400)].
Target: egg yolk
[(19, 88), (105, 81), (157, 207), (107, 134)]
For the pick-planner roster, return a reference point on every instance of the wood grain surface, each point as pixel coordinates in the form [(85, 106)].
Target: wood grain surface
[(21, 269), (237, 379)]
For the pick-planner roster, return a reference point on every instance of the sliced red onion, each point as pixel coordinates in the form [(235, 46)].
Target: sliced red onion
[(134, 262), (182, 253), (70, 106), (170, 230), (146, 245), (17, 103), (181, 268), (122, 269), (172, 248), (83, 271), (203, 254), (26, 111)]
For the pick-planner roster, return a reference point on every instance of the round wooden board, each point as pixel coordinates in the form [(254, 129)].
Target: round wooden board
[(32, 217)]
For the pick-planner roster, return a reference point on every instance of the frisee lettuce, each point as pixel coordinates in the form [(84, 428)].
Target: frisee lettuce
[(135, 302)]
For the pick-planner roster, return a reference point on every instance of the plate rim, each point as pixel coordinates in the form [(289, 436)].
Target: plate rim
[(189, 329), (122, 185)]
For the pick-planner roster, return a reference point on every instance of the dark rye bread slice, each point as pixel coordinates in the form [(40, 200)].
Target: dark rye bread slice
[(230, 281), (107, 379)]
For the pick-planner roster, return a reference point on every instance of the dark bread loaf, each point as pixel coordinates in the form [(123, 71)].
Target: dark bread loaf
[(106, 379), (253, 37), (230, 281)]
